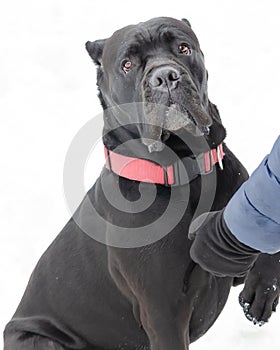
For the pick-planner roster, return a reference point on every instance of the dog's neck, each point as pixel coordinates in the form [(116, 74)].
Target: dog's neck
[(126, 141), (181, 160)]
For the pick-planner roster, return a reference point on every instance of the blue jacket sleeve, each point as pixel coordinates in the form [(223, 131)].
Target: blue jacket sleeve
[(253, 213)]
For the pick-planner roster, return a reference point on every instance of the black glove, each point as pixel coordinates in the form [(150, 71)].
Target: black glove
[(215, 248)]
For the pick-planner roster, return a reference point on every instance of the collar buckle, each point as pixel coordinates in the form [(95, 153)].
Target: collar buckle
[(205, 163), (185, 170)]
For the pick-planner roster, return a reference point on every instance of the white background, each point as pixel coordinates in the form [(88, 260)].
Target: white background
[(47, 92)]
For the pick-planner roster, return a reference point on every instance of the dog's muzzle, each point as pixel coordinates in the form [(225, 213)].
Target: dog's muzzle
[(171, 103)]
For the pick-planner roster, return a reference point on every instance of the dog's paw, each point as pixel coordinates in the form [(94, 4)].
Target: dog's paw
[(261, 291), (259, 299)]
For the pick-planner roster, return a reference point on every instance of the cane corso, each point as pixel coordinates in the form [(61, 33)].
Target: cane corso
[(119, 274)]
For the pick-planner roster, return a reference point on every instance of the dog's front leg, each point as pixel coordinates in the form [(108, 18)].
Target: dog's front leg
[(165, 322), (164, 330), (161, 309)]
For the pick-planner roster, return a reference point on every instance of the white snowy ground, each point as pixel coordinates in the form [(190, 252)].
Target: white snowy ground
[(47, 92)]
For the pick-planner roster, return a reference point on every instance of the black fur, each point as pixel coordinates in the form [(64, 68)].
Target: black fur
[(86, 295)]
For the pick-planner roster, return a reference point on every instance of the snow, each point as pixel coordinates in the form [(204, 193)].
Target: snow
[(48, 93)]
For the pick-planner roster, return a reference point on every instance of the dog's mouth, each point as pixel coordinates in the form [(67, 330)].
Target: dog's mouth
[(177, 119), (167, 119)]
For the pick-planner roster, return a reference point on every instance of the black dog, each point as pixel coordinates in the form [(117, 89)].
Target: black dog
[(127, 294)]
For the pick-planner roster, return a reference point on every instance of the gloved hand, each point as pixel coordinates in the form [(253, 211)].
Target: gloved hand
[(217, 250)]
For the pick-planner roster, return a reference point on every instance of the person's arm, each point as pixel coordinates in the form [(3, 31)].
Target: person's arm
[(228, 242), (253, 213)]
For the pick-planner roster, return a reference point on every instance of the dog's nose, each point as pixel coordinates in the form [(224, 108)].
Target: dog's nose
[(164, 78)]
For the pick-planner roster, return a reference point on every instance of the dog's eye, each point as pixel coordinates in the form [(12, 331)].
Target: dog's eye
[(183, 48), (126, 66)]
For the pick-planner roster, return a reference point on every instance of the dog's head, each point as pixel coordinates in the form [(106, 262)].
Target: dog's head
[(157, 66)]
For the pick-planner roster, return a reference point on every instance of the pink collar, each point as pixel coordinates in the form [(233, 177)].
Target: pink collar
[(144, 170)]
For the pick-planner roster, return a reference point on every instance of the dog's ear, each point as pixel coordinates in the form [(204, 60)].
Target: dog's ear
[(187, 22), (95, 50)]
